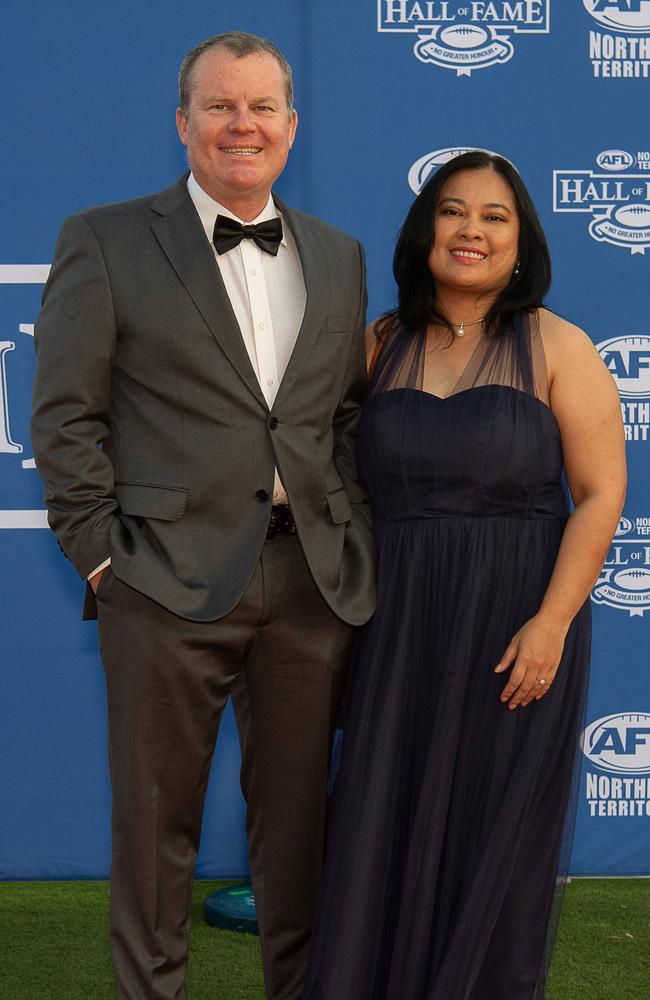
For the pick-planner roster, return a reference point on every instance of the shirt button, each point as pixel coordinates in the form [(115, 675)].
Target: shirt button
[(273, 423), (262, 325), (261, 496), (269, 381), (253, 271)]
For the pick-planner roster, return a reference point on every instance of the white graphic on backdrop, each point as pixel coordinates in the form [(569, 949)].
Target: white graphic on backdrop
[(464, 36), (626, 53), (619, 745), (624, 581), (615, 160), (7, 445), (17, 274), (628, 359), (617, 196), (422, 169)]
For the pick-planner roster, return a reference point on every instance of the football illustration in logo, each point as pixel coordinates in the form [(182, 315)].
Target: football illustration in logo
[(464, 36), (633, 580), (633, 216)]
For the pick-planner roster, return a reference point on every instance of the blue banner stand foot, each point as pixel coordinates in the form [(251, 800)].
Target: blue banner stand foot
[(232, 909)]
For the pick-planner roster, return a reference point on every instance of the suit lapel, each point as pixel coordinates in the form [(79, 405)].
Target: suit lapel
[(315, 273), (181, 236), (179, 232)]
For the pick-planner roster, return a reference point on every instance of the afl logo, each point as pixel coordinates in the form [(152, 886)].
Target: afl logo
[(423, 168), (615, 160), (619, 743), (625, 526), (628, 360), (620, 15)]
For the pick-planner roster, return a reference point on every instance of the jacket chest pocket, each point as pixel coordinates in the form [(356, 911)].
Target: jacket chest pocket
[(340, 324)]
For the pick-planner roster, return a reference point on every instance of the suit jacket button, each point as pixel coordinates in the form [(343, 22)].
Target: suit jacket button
[(261, 496), (273, 423)]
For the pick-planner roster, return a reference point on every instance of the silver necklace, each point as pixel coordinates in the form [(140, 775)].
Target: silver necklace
[(460, 330)]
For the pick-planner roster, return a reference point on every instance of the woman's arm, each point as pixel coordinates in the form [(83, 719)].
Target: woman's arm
[(372, 345), (585, 402)]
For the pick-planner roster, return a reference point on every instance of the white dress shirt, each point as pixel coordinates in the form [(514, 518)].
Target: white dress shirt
[(268, 297), (267, 294)]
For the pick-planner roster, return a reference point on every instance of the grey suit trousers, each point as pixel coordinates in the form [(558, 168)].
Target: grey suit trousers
[(282, 654)]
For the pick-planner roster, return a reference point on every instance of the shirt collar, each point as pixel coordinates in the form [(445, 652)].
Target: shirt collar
[(209, 209)]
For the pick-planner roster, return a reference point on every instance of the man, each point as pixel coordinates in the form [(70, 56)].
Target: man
[(196, 401)]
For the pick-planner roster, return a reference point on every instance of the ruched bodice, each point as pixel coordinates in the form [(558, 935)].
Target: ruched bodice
[(486, 451)]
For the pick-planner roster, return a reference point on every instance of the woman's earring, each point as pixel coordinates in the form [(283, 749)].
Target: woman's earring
[(516, 271)]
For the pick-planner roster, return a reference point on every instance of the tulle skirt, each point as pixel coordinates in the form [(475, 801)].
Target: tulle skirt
[(448, 833)]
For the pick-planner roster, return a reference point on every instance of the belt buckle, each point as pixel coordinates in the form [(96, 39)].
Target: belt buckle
[(275, 523), (281, 522), (289, 526)]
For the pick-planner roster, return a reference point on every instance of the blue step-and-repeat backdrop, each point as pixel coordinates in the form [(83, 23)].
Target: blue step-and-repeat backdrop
[(386, 91)]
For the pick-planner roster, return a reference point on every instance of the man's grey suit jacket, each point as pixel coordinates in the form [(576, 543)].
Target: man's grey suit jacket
[(151, 432)]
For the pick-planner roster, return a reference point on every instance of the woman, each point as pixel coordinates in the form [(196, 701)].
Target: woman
[(465, 708)]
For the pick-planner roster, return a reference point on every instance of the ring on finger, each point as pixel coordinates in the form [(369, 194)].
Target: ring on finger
[(541, 681)]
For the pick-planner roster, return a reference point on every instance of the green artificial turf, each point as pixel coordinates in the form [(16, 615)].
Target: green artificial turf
[(603, 946), (53, 945)]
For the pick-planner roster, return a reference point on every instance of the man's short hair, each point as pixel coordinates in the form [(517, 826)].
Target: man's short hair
[(240, 44)]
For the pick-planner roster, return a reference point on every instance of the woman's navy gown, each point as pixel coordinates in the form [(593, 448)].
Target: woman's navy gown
[(447, 818)]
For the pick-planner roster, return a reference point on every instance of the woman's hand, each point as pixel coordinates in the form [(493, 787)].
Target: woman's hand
[(535, 650)]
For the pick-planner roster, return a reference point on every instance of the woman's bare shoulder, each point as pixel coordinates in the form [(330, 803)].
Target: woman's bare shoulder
[(577, 375), (564, 342), (555, 329)]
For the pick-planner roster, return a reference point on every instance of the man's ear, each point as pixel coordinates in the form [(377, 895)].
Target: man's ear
[(293, 125), (181, 125)]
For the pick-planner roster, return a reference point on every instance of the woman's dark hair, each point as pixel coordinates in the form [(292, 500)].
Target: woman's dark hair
[(416, 285)]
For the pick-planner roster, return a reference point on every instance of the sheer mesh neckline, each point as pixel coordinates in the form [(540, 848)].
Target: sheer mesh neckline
[(513, 359), (429, 364)]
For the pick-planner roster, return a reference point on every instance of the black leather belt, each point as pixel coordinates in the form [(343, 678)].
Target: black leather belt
[(282, 522)]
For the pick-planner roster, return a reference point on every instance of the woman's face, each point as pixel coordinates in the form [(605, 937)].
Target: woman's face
[(476, 234)]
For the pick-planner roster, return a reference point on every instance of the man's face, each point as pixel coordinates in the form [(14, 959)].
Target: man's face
[(237, 128)]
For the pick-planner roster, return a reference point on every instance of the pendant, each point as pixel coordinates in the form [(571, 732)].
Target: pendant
[(460, 332)]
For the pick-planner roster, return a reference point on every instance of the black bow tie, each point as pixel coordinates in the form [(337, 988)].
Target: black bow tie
[(229, 233)]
